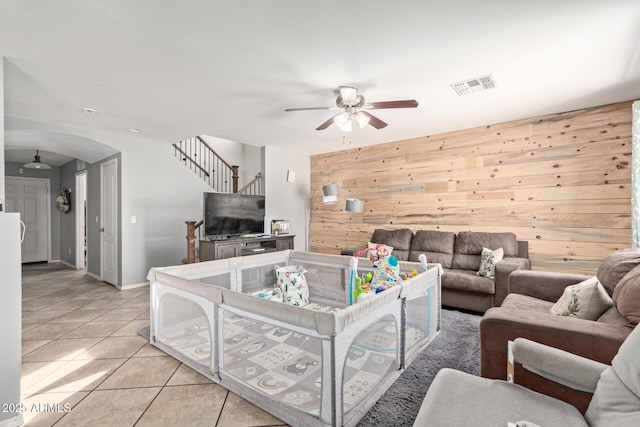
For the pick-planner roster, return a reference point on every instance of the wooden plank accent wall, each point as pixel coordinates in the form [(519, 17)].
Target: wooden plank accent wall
[(561, 182)]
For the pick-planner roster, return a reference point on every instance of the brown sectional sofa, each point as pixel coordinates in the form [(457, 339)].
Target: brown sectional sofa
[(459, 255)]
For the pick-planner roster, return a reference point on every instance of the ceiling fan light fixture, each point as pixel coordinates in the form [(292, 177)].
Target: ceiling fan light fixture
[(349, 95), (36, 163), (346, 126), (341, 118), (361, 119)]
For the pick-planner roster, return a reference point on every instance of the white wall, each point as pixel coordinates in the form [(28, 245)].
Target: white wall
[(162, 194), (285, 200)]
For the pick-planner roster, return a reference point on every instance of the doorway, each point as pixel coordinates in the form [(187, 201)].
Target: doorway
[(109, 221), (81, 220), (29, 197)]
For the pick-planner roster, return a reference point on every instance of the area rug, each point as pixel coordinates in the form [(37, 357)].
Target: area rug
[(457, 347)]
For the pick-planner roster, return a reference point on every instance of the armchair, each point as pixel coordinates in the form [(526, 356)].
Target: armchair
[(460, 399)]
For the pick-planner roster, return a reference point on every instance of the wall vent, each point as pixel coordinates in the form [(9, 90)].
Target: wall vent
[(474, 85)]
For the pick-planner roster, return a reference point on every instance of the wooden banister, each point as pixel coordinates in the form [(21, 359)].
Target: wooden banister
[(214, 152), (192, 226), (193, 162), (251, 183)]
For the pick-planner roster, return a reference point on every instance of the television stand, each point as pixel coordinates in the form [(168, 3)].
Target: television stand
[(241, 246)]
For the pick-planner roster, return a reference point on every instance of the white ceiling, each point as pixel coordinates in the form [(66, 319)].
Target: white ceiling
[(175, 69)]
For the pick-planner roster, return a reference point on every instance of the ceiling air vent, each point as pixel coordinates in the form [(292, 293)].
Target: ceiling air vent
[(474, 85)]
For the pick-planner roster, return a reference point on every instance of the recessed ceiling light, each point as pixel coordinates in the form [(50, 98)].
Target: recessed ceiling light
[(134, 130), (89, 110)]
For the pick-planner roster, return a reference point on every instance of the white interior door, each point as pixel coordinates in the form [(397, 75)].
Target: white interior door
[(29, 197), (109, 221), (81, 219)]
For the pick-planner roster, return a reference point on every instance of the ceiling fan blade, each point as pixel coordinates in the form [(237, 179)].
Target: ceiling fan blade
[(374, 121), (328, 123), (311, 108), (408, 103)]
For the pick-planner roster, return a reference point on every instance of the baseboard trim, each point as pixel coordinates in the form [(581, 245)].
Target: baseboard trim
[(68, 265), (132, 286), (94, 276)]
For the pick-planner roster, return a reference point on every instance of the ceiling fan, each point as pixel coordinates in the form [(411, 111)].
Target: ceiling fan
[(355, 109)]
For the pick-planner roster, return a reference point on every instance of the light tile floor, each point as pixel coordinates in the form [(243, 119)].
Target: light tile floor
[(84, 364)]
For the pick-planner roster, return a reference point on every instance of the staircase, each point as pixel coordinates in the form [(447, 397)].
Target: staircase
[(197, 155), (202, 159)]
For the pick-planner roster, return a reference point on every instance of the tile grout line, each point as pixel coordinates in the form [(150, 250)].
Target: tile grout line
[(158, 394)]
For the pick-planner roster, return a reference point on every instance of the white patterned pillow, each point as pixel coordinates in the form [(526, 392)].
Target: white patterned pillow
[(293, 284), (585, 300), (488, 261)]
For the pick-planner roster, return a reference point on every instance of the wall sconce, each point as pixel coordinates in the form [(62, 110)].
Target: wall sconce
[(330, 194), (354, 205)]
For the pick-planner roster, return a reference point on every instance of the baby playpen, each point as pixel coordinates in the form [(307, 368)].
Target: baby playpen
[(325, 363)]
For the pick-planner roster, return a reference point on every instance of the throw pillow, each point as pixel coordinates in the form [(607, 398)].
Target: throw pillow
[(585, 300), (488, 261), (293, 284), (626, 296), (614, 267)]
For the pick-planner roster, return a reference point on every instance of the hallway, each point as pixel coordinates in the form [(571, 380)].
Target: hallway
[(84, 364)]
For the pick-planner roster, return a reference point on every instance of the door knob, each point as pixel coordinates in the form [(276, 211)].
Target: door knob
[(101, 229)]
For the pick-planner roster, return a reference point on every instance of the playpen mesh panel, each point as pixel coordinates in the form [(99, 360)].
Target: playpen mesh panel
[(420, 324), (326, 284), (277, 362), (183, 326), (258, 277), (372, 356), (223, 280)]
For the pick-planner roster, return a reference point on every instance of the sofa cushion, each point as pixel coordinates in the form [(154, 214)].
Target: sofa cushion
[(526, 303), (469, 244), (585, 300), (616, 266), (468, 281), (436, 245), (456, 398), (612, 316), (399, 239), (626, 296)]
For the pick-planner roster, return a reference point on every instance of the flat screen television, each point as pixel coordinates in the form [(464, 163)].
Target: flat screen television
[(228, 214)]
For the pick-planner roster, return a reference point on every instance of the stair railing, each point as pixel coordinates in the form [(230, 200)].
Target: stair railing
[(203, 160), (254, 186)]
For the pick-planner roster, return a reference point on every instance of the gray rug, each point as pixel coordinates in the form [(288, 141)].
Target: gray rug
[(457, 347)]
